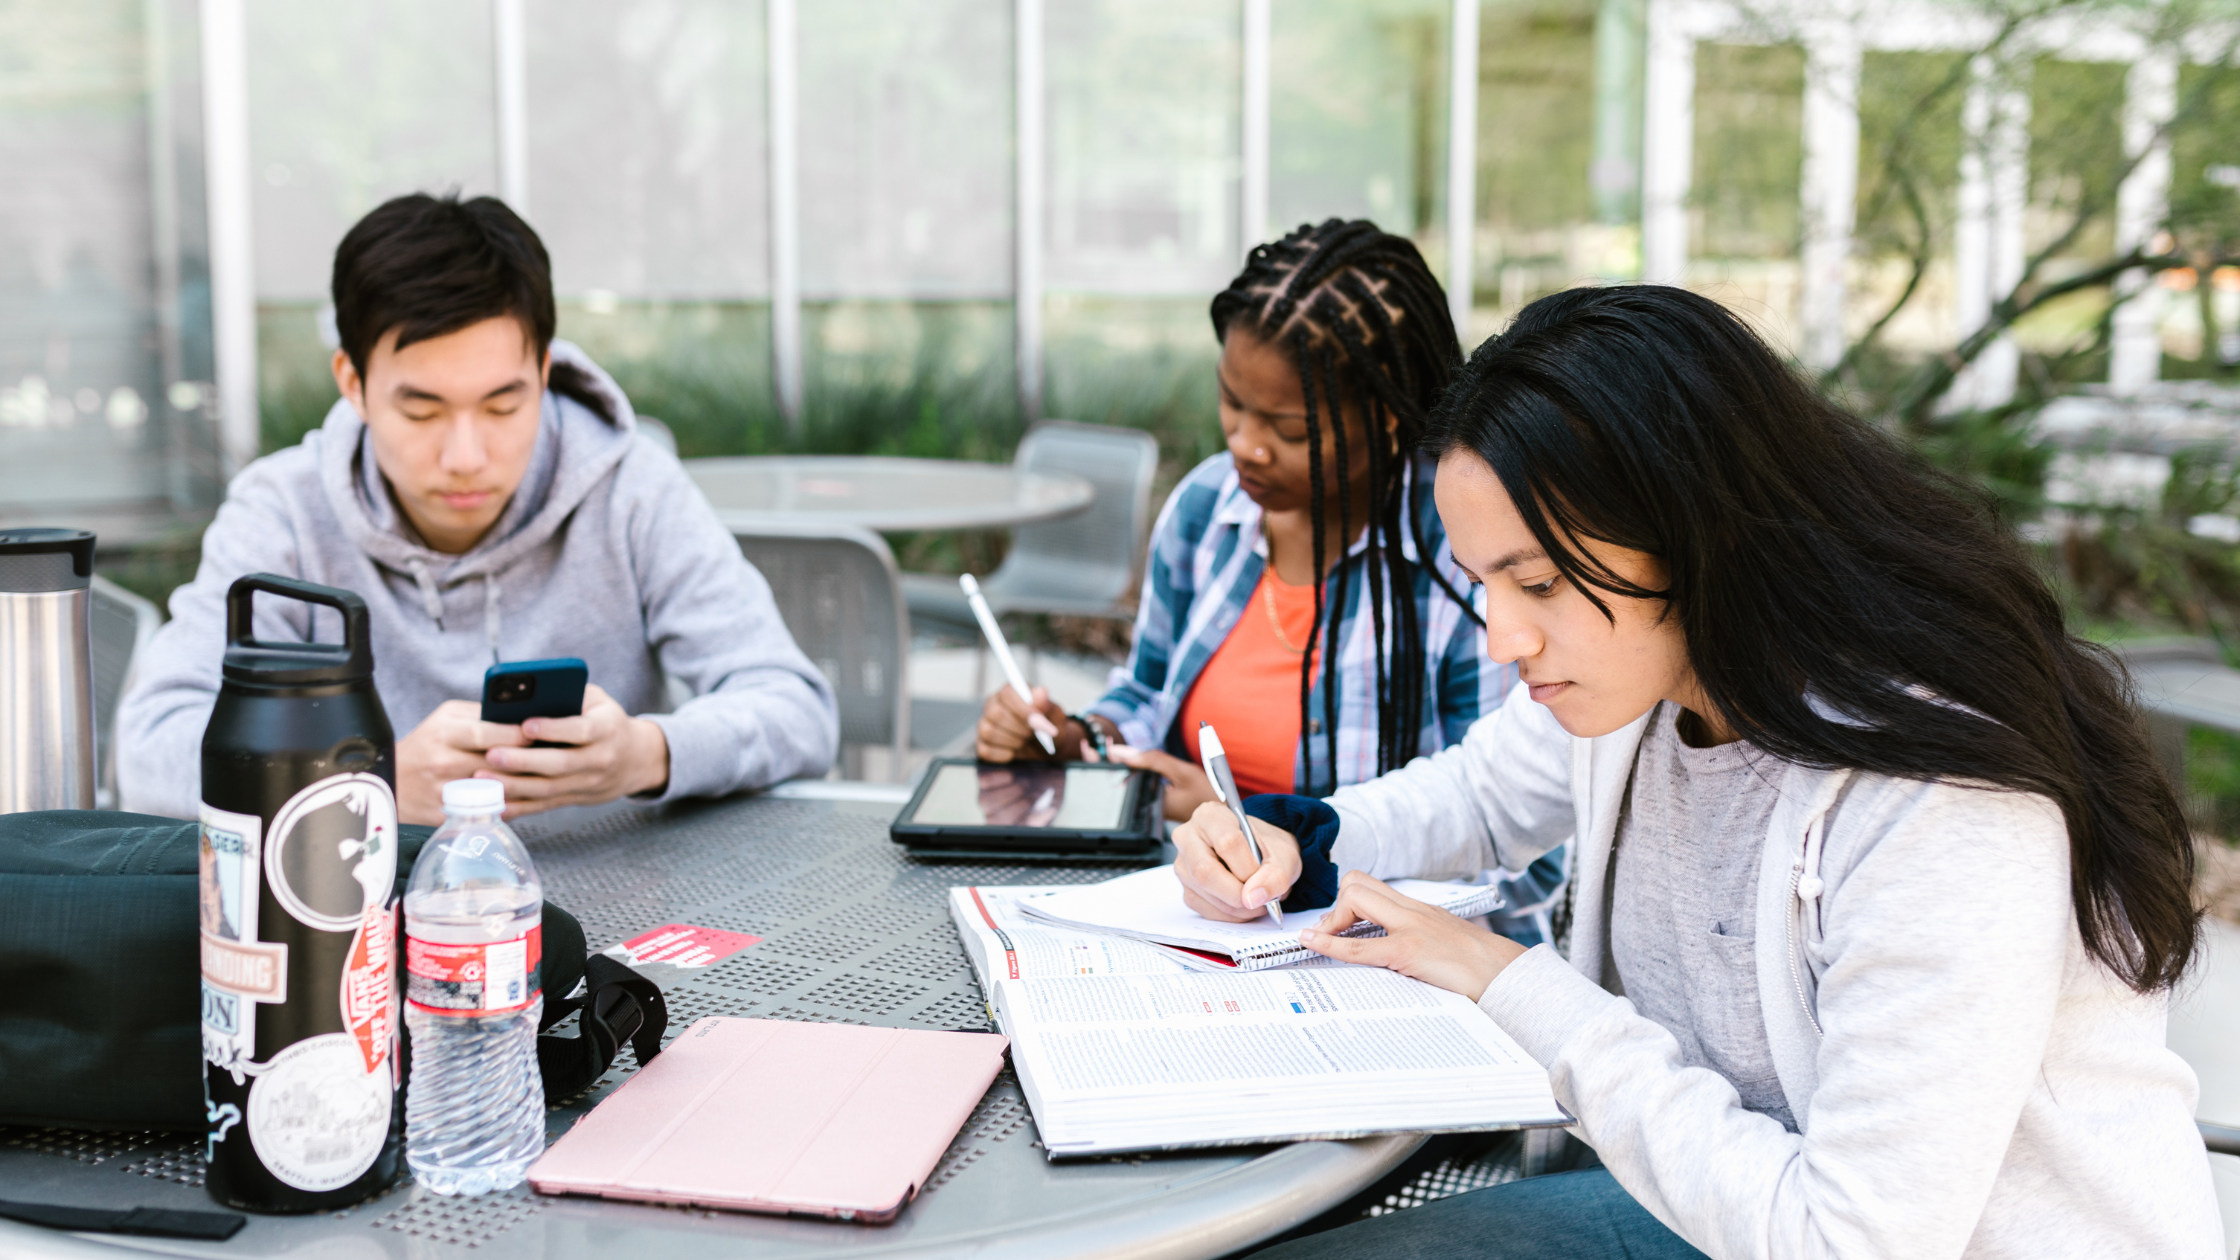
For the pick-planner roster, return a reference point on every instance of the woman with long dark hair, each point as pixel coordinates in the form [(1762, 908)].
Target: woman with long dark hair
[(1880, 891), (1300, 595)]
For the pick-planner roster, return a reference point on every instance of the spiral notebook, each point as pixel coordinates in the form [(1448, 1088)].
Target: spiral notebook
[(1147, 906)]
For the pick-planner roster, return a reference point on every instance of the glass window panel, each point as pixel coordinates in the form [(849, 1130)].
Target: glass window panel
[(86, 435), (2076, 160), (2205, 214), (351, 104), (1143, 99), (906, 170), (648, 146), (1747, 200), (1537, 228), (1909, 193), (1357, 105)]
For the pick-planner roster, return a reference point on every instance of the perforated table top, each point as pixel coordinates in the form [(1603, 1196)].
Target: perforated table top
[(853, 932)]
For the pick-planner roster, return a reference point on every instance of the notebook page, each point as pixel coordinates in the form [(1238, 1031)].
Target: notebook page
[(1148, 904), (1005, 944), (1152, 1061)]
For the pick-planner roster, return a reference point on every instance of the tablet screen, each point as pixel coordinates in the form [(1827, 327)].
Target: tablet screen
[(1078, 797)]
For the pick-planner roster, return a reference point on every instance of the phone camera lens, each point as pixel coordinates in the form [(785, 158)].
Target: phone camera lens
[(515, 690)]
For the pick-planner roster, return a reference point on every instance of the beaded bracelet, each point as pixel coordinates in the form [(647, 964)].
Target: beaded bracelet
[(1097, 738)]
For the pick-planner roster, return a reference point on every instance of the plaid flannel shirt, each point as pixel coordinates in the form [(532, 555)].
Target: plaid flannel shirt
[(1207, 554)]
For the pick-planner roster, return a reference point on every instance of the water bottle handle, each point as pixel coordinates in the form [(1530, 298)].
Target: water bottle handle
[(357, 639)]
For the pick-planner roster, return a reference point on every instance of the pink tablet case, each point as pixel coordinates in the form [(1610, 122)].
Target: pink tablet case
[(767, 1115)]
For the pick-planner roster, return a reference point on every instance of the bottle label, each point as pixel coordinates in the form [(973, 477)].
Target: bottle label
[(486, 979), (238, 970)]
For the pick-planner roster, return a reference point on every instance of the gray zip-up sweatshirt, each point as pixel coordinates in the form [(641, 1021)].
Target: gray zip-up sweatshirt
[(1966, 1079), (607, 552)]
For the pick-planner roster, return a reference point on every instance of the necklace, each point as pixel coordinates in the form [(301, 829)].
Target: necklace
[(1268, 601)]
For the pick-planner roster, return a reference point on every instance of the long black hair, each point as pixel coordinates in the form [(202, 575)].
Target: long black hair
[(1365, 323), (1808, 554)]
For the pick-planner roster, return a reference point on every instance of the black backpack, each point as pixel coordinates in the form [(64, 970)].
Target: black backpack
[(100, 976)]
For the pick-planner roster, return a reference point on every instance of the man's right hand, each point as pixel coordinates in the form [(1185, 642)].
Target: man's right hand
[(1006, 730), (448, 745), (1219, 878)]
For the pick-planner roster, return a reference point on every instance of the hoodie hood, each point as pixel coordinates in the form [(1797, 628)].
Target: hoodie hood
[(576, 450)]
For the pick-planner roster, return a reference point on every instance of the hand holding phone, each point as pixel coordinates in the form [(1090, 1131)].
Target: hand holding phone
[(515, 691), (598, 756)]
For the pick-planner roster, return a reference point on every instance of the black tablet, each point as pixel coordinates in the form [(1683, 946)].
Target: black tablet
[(1076, 810)]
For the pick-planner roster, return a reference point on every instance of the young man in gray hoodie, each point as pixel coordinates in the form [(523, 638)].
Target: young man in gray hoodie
[(484, 489)]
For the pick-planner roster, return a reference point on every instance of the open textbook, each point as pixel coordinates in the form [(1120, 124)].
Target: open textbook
[(1148, 906), (1120, 1047)]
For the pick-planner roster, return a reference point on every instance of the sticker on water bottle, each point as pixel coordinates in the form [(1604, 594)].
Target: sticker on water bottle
[(239, 971), (473, 979)]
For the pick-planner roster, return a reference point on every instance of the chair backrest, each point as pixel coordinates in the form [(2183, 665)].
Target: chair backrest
[(122, 624), (837, 589), (1090, 558), (661, 434)]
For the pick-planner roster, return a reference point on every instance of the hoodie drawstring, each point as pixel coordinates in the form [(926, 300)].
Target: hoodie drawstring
[(430, 601), (490, 615)]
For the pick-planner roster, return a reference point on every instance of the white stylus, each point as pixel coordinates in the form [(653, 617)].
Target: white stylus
[(1216, 762), (988, 627)]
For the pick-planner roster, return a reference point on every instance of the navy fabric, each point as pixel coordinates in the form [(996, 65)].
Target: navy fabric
[(1565, 1216), (1316, 826)]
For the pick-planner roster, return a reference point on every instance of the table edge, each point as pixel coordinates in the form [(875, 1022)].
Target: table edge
[(1209, 1218), (1199, 1221)]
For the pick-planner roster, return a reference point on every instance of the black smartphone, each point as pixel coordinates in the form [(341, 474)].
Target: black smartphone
[(515, 691)]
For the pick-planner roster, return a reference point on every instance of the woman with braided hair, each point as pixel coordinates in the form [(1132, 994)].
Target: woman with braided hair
[(1300, 594)]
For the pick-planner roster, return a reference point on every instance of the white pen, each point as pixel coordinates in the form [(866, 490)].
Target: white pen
[(1043, 731), (1216, 762)]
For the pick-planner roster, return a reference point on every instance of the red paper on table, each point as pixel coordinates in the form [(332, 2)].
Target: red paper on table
[(680, 945)]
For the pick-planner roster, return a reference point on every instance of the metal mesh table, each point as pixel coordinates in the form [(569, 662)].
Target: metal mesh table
[(852, 932)]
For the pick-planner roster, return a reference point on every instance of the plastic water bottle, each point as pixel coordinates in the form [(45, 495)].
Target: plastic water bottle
[(474, 1107)]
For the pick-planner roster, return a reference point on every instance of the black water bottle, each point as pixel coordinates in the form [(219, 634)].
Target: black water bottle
[(299, 920)]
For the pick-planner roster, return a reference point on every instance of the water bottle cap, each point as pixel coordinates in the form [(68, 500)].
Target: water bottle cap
[(35, 561), (474, 794)]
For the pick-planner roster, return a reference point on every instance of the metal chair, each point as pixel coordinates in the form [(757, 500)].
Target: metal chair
[(1082, 566), (836, 587), (122, 624), (662, 435)]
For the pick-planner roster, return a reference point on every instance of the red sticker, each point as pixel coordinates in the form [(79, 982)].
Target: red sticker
[(369, 985), (486, 979), (681, 945)]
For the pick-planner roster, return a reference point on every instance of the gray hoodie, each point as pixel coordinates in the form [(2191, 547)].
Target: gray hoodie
[(607, 552)]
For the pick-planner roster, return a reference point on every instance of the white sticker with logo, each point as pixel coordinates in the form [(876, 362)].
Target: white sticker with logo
[(238, 970), (317, 1118), (332, 854)]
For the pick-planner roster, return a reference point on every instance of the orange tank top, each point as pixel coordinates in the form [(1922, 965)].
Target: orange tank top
[(1249, 688)]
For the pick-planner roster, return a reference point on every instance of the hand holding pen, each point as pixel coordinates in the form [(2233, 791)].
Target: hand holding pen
[(1216, 761), (1045, 731)]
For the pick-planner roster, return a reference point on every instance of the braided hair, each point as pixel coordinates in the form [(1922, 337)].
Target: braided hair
[(1366, 325)]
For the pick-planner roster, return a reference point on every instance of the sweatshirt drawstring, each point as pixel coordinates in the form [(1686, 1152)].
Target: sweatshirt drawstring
[(430, 601), (490, 620)]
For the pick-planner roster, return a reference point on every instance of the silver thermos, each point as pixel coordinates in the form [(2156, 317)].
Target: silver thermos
[(46, 669)]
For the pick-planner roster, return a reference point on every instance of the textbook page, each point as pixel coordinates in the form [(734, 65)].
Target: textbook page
[(1006, 944), (1148, 905), (1151, 1062)]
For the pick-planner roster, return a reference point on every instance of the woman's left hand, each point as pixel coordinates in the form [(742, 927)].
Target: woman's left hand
[(1421, 941), (1187, 785)]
